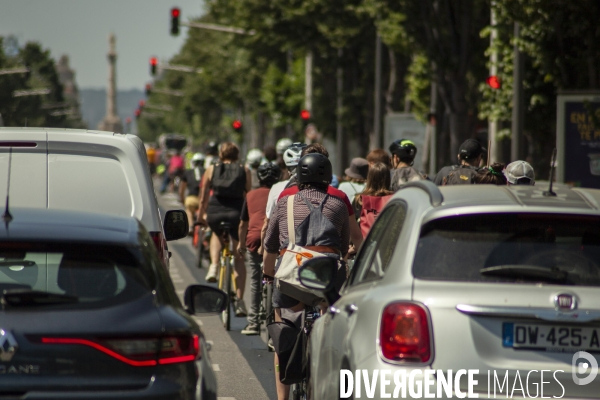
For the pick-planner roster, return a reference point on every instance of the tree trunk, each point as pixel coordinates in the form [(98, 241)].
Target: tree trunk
[(389, 95)]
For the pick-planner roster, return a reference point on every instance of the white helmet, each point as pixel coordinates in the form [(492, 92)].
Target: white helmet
[(198, 158), (282, 145), (254, 157), (292, 154)]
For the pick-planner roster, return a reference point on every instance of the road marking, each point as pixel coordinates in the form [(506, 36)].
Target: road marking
[(216, 367)]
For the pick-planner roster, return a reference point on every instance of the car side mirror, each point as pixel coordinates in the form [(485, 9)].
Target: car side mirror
[(320, 274), (176, 225), (202, 299)]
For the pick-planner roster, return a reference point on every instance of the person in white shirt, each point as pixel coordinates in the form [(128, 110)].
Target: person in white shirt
[(356, 176)]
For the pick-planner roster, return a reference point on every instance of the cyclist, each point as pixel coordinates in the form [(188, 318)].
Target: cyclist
[(403, 156), (280, 148), (355, 233), (356, 176), (253, 159), (520, 173), (374, 197), (291, 156), (230, 182), (320, 223), (191, 181), (469, 156), (491, 175), (253, 216), (212, 153)]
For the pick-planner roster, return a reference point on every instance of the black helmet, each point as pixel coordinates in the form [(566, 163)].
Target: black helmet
[(212, 148), (268, 173), (314, 168), (404, 149)]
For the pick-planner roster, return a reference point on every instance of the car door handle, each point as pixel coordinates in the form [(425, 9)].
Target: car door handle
[(350, 309)]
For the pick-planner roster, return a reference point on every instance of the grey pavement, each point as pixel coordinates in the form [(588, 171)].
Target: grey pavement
[(243, 365)]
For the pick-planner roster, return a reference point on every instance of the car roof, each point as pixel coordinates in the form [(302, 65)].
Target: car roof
[(522, 196), (35, 129), (507, 196), (51, 225)]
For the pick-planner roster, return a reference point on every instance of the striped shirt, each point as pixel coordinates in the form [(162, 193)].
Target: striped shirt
[(334, 209)]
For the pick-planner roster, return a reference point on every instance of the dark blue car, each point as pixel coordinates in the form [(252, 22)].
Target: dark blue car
[(88, 311)]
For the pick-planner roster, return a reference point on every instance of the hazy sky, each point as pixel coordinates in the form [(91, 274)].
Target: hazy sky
[(80, 28)]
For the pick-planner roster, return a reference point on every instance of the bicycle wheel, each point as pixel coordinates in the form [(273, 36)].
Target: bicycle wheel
[(267, 307), (226, 277), (199, 242)]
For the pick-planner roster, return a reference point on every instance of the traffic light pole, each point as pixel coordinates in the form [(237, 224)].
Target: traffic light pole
[(518, 111), (493, 125), (219, 28)]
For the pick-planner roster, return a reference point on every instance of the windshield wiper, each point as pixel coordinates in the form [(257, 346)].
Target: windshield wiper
[(530, 272), (26, 297)]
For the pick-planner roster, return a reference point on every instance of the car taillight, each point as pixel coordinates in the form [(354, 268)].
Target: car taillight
[(157, 238), (141, 352), (404, 333)]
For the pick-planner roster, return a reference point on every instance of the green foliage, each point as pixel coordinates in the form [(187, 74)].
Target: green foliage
[(38, 110), (418, 82), (282, 93)]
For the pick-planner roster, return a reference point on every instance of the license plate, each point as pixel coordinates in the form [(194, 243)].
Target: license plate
[(555, 338)]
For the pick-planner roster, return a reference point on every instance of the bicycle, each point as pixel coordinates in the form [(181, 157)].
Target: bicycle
[(226, 278), (300, 391), (200, 242), (266, 314)]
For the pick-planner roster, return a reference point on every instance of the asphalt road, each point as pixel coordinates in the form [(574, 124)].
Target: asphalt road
[(243, 365)]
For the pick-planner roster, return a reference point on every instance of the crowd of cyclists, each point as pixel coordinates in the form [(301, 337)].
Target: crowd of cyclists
[(292, 186)]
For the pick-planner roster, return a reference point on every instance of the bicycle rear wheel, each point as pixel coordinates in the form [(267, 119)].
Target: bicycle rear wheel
[(267, 306), (199, 242), (226, 315)]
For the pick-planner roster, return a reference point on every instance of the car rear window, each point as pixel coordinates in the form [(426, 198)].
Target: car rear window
[(93, 274), (518, 248)]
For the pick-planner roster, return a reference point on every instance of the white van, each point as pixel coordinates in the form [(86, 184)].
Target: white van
[(73, 169)]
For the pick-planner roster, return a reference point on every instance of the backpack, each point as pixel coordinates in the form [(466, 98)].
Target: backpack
[(371, 207), (229, 180), (460, 175)]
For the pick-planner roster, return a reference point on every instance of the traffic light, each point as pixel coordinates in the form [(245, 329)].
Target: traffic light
[(142, 103), (175, 12), (137, 113), (305, 115), (148, 89), (128, 120), (237, 125), (153, 65), (493, 82)]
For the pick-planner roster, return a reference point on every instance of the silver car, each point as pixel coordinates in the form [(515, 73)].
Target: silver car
[(492, 290)]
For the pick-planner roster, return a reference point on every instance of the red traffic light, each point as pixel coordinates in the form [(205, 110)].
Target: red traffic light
[(237, 125), (175, 12), (493, 82), (128, 120), (148, 89), (305, 115), (137, 112), (153, 64), (142, 103)]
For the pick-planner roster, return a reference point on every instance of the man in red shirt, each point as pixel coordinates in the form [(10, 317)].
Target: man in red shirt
[(252, 218)]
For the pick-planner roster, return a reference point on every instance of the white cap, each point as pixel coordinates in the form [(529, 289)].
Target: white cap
[(520, 173)]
